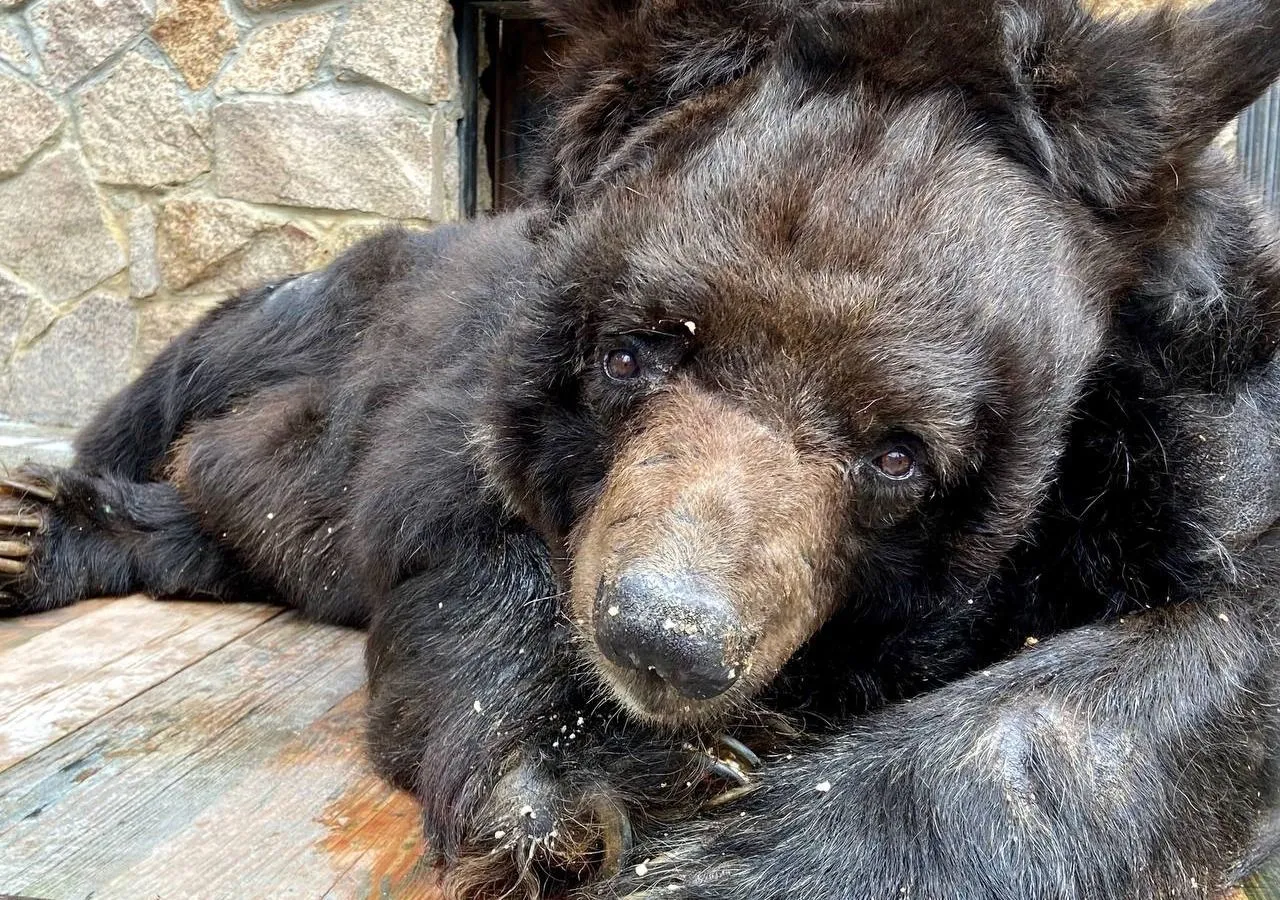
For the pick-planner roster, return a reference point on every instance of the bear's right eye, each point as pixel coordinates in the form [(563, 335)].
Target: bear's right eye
[(621, 365)]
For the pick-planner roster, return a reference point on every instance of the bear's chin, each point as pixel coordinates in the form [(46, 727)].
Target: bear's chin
[(650, 699)]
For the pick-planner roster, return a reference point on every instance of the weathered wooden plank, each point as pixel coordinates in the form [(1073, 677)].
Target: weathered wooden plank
[(310, 819), (17, 631), (61, 679), (87, 809)]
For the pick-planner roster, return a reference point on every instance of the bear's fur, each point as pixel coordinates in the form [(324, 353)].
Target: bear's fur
[(889, 384)]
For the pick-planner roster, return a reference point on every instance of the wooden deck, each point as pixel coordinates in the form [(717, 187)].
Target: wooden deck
[(171, 749)]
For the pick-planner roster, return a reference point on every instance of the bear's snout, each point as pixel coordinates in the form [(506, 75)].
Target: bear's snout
[(674, 625), (709, 557)]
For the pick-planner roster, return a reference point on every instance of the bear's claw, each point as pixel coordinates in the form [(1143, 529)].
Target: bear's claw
[(20, 500), (31, 488), (732, 747), (12, 566), (23, 497), (20, 521), (731, 760)]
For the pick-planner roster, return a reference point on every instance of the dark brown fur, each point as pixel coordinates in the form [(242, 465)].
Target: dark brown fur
[(987, 233)]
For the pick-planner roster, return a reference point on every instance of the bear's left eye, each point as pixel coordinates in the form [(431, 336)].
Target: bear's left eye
[(897, 463), (621, 364)]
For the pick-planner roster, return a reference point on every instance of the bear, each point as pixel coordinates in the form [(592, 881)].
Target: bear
[(852, 474)]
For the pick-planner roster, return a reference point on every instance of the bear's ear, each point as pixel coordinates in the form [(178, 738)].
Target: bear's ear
[(1108, 108), (1112, 108), (629, 61)]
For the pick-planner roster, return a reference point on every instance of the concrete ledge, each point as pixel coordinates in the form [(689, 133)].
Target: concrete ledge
[(20, 442)]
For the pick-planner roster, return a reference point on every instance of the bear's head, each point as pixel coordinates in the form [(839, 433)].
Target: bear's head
[(823, 284)]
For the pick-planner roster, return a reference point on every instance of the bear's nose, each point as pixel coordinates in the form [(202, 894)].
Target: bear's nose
[(673, 625)]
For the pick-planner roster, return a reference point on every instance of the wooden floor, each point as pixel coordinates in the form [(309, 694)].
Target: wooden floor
[(169, 750)]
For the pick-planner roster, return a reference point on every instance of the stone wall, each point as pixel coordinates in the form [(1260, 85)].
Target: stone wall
[(156, 157)]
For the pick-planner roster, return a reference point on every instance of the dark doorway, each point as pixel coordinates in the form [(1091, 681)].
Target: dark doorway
[(520, 50)]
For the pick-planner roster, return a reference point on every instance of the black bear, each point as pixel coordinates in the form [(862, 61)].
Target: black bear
[(885, 388)]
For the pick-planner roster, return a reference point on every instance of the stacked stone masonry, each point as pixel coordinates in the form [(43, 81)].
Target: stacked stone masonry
[(157, 156)]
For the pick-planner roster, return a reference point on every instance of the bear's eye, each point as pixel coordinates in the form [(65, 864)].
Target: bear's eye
[(898, 463), (621, 365)]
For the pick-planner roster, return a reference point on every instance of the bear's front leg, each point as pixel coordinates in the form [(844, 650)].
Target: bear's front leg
[(528, 782), (1118, 762), (66, 535)]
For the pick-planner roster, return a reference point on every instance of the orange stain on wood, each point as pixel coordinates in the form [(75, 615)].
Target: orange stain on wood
[(377, 828)]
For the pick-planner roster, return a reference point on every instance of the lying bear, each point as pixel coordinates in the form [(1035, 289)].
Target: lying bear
[(886, 390)]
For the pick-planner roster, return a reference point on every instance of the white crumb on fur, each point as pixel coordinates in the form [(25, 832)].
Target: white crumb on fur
[(822, 787), (477, 707), (691, 326), (1223, 617), (613, 610), (1031, 641), (271, 515), (643, 869), (499, 835), (527, 811), (580, 722), (668, 625)]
